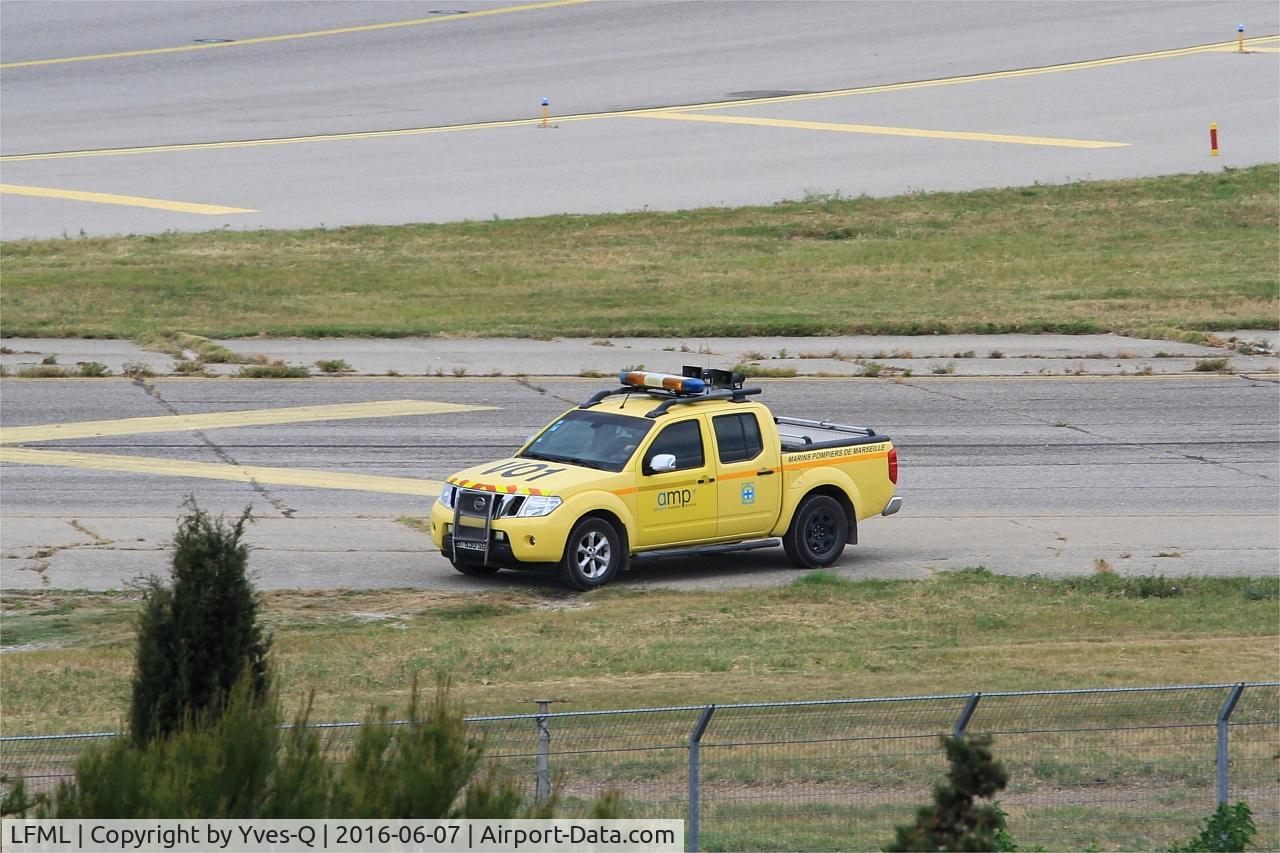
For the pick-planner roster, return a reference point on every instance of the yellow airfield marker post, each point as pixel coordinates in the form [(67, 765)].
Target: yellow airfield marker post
[(1213, 138)]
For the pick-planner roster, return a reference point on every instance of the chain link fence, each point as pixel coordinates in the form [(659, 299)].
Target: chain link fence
[(1127, 768)]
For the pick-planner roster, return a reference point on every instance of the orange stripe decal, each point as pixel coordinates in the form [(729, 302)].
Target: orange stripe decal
[(817, 463)]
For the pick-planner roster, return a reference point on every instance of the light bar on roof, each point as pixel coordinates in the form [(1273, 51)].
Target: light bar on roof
[(663, 381)]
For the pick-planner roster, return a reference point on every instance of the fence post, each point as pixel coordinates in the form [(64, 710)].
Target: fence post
[(542, 791), (1224, 718), (966, 715), (695, 749)]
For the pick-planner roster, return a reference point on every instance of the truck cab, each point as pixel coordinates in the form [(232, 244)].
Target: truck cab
[(666, 465)]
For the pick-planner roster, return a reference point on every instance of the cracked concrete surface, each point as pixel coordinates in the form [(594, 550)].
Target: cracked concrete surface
[(960, 355), (1138, 468)]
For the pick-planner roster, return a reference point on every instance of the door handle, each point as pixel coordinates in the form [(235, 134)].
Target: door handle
[(765, 473), (707, 480)]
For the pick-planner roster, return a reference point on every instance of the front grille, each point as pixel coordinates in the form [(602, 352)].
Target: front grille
[(479, 504)]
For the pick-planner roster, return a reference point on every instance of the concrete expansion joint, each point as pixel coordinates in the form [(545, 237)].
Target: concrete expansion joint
[(221, 452)]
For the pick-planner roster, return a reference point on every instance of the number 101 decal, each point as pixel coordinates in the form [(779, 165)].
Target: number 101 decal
[(524, 470)]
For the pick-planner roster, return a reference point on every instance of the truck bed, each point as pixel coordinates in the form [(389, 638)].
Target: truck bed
[(799, 435)]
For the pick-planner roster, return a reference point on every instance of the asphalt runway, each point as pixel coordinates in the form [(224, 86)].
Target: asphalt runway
[(1165, 476), (123, 117)]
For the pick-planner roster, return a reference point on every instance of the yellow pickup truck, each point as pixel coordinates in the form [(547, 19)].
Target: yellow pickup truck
[(666, 465)]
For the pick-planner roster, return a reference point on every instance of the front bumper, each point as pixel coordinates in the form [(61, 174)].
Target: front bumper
[(500, 554), (895, 504), (524, 540)]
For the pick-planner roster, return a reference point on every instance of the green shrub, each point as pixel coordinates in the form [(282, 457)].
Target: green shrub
[(43, 371), (197, 637), (333, 365), (214, 765), (1230, 828), (92, 368), (241, 764), (274, 370), (955, 821)]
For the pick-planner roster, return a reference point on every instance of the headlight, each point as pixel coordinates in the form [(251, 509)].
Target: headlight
[(537, 505), (447, 496)]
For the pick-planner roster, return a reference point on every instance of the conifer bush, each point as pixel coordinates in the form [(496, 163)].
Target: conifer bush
[(955, 821), (206, 739), (240, 763), (198, 636)]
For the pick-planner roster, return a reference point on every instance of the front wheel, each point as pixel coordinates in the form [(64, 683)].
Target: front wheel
[(818, 533), (592, 555)]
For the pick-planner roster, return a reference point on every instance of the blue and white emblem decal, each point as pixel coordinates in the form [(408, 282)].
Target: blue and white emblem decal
[(748, 493)]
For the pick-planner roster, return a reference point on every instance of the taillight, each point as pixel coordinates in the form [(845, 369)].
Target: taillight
[(893, 465)]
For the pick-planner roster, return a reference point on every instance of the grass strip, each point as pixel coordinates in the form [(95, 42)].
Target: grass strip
[(68, 656), (1183, 253)]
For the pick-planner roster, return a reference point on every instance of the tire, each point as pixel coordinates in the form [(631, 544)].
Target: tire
[(593, 555), (474, 569), (818, 533)]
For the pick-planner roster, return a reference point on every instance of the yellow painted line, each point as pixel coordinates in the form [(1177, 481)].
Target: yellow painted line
[(363, 28), (218, 471), (1232, 49), (993, 75), (222, 420), (888, 131), (291, 140), (418, 131), (127, 200)]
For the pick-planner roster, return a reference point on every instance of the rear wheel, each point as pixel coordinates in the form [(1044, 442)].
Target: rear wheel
[(592, 556), (818, 533)]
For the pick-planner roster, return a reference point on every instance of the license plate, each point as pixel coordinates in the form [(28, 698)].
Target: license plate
[(468, 546)]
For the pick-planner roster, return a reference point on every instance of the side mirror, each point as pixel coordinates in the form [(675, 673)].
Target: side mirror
[(662, 463)]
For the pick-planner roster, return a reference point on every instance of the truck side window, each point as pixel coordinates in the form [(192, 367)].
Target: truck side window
[(738, 437), (683, 441)]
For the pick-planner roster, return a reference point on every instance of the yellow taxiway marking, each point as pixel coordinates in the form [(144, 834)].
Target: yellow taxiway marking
[(222, 420), (1232, 49), (888, 131), (993, 75), (219, 471), (531, 122), (293, 140), (363, 28), (127, 200)]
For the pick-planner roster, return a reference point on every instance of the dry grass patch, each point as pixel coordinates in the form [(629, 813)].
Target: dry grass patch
[(623, 647)]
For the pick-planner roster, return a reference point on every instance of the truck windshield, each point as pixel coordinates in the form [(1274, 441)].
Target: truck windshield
[(591, 439)]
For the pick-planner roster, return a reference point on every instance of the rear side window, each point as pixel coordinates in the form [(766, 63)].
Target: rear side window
[(683, 441), (738, 437)]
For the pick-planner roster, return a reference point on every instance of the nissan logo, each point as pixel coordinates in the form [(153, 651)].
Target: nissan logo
[(479, 504)]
